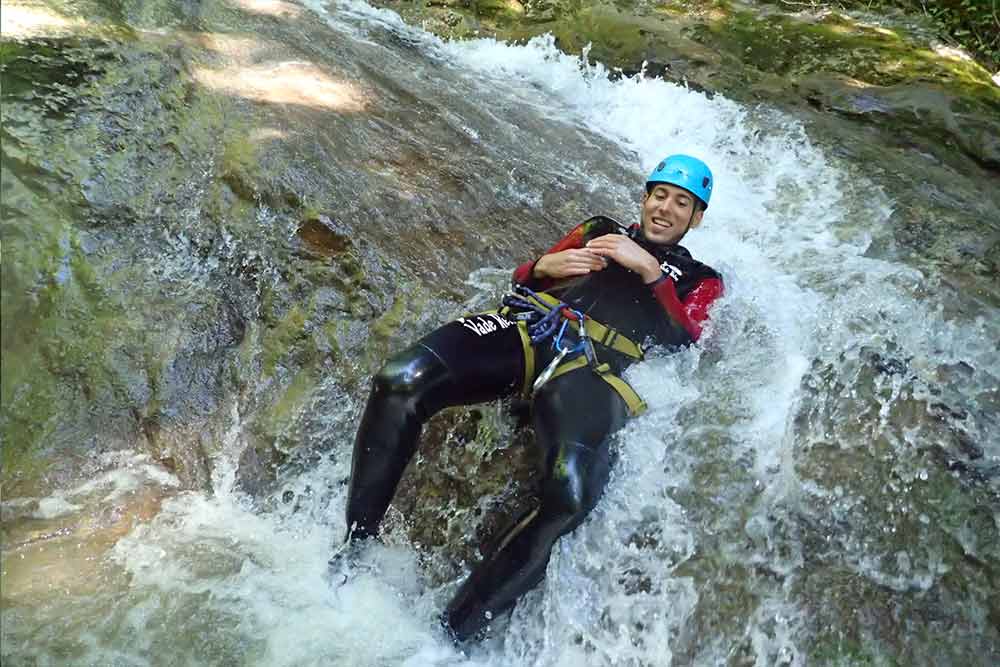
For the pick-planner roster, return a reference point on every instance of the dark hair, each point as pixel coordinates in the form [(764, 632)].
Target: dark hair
[(699, 203)]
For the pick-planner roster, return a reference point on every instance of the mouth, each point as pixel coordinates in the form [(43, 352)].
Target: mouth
[(662, 223)]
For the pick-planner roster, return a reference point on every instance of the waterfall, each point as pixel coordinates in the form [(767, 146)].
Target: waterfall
[(830, 444)]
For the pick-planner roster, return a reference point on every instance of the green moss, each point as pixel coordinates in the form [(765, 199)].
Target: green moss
[(277, 418), (784, 45), (237, 164), (835, 650), (280, 341), (409, 301), (331, 332), (310, 211), (498, 10), (50, 68), (971, 23), (614, 38), (387, 325), (684, 7), (57, 321)]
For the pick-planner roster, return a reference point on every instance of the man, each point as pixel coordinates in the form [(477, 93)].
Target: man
[(579, 316)]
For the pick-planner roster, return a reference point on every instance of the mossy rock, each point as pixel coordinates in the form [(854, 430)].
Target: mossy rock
[(473, 477), (754, 53)]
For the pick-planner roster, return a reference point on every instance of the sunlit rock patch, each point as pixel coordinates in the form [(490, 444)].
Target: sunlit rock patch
[(56, 544), (239, 48), (285, 83), (24, 20), (275, 8), (262, 134), (275, 82)]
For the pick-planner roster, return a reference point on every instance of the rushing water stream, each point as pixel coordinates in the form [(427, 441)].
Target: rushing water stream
[(815, 483)]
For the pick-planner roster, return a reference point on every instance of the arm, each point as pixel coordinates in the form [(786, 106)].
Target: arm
[(566, 258), (692, 312)]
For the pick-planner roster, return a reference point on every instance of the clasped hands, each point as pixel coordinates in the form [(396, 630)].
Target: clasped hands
[(595, 256)]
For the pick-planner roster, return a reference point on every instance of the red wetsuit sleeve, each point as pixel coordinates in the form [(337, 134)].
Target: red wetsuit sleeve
[(524, 274), (692, 312)]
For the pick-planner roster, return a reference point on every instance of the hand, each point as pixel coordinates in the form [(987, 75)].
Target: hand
[(566, 263), (628, 253)]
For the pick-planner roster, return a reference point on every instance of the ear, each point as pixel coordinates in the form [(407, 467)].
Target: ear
[(696, 220)]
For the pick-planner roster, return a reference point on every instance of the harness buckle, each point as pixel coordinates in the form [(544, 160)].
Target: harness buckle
[(586, 342)]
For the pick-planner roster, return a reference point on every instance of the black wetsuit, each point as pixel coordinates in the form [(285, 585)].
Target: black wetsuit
[(480, 358)]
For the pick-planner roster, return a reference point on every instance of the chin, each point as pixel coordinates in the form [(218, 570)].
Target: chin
[(660, 237)]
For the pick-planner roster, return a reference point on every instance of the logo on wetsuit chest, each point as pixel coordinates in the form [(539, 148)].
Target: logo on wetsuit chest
[(671, 270), (482, 325)]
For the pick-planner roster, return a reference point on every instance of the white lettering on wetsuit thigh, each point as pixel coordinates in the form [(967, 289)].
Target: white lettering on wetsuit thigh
[(483, 325)]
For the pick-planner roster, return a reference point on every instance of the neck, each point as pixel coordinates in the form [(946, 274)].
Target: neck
[(639, 237)]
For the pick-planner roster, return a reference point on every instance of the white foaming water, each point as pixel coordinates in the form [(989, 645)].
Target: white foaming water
[(265, 581), (268, 576), (256, 585)]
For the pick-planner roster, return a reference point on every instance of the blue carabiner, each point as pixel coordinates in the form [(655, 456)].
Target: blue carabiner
[(557, 343)]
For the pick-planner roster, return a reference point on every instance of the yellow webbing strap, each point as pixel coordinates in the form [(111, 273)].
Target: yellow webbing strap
[(526, 347), (571, 365), (636, 406), (529, 359), (598, 332)]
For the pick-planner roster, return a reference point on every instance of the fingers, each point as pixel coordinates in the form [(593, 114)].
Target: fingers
[(597, 244), (579, 262), (572, 262), (583, 261), (609, 245), (609, 248), (588, 257), (622, 250)]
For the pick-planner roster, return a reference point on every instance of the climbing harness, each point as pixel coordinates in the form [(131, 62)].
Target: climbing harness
[(563, 351), (541, 316)]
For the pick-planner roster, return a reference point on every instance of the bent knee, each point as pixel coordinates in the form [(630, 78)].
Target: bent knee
[(409, 372), (564, 508), (566, 497), (575, 482)]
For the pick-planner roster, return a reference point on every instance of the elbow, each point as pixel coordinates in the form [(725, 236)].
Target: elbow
[(694, 330)]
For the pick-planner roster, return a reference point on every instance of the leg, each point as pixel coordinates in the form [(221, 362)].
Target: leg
[(387, 438), (455, 365), (575, 417)]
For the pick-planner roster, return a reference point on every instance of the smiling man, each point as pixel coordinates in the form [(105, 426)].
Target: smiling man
[(578, 316)]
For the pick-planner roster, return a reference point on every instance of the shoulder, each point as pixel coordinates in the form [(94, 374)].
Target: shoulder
[(682, 264)]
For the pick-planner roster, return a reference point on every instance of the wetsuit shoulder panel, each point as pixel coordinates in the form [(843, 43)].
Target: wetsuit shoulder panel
[(692, 312), (687, 289)]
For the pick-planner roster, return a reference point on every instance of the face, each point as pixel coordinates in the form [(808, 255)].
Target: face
[(666, 212)]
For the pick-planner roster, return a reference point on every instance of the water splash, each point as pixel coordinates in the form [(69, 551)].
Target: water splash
[(731, 511)]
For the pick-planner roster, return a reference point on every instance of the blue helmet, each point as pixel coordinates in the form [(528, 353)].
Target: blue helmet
[(685, 172)]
